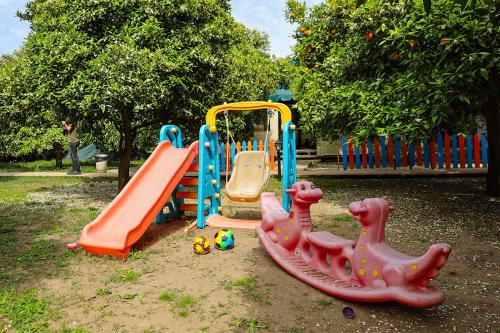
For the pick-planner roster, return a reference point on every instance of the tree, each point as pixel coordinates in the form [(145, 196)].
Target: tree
[(23, 134), (388, 68), (134, 64)]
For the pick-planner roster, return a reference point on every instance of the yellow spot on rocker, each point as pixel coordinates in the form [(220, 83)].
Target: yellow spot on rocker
[(363, 261), (286, 238), (414, 267), (278, 230), (362, 272), (361, 247), (375, 273), (364, 233)]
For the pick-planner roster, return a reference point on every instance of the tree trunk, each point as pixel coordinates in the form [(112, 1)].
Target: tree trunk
[(492, 114), (126, 142)]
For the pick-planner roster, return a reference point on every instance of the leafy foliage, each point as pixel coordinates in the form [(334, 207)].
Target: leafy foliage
[(389, 68), (126, 67)]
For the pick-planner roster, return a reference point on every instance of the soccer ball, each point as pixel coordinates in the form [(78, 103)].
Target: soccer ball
[(224, 239), (201, 245)]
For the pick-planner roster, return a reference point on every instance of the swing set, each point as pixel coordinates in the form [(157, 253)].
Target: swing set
[(250, 173)]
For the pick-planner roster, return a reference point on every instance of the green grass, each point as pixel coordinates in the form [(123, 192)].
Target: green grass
[(249, 288), (167, 296), (180, 304), (243, 282), (250, 324), (23, 312), (103, 292), (87, 166), (324, 302), (129, 296), (342, 218), (15, 189), (125, 276)]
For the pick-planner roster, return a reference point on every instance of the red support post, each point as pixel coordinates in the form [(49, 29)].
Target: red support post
[(390, 152), (461, 150), (477, 151)]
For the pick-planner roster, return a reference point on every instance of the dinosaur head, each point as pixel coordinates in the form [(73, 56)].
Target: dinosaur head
[(370, 211), (305, 193)]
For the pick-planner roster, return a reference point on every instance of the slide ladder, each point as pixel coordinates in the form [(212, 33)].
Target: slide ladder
[(186, 189)]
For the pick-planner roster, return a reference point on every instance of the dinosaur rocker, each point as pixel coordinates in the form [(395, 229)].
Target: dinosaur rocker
[(367, 270)]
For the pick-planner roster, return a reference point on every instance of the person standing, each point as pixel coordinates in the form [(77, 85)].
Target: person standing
[(74, 142)]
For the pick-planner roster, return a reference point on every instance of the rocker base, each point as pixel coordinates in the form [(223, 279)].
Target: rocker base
[(351, 290)]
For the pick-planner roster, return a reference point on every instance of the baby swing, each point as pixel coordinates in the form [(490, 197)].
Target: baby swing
[(251, 169)]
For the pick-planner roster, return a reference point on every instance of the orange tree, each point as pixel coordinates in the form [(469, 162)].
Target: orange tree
[(389, 68), (127, 66)]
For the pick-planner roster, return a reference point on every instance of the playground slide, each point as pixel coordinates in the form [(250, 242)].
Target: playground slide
[(128, 216)]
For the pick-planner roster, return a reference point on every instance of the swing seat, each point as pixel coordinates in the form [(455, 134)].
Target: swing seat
[(250, 176)]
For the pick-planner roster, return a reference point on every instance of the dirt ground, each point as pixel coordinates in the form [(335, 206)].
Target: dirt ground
[(164, 287)]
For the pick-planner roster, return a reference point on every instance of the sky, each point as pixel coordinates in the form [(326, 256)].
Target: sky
[(263, 15)]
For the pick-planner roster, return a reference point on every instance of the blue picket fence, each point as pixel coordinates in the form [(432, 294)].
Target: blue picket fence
[(443, 151)]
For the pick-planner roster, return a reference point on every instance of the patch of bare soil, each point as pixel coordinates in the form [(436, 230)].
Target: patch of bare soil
[(164, 287)]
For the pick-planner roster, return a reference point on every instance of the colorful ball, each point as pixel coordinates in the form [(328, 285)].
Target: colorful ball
[(224, 239), (201, 245)]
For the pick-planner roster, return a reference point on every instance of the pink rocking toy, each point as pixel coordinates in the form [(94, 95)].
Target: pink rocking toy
[(367, 270)]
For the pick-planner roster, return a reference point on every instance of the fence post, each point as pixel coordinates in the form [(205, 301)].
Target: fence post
[(383, 148), (351, 154), (461, 146), (390, 151), (364, 160), (484, 150), (419, 152), (468, 142), (357, 156), (454, 152), (345, 157), (426, 153), (376, 143), (447, 158), (440, 150), (370, 153), (233, 154), (477, 152)]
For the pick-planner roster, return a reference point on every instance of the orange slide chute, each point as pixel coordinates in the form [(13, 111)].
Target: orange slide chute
[(128, 216)]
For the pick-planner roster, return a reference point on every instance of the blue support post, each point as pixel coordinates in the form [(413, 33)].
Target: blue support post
[(468, 142), (244, 146), (427, 154), (357, 156), (484, 150), (371, 160), (233, 154), (345, 158), (208, 175), (440, 150), (383, 151), (289, 163), (255, 145), (454, 150), (173, 134), (397, 152), (411, 155), (222, 157)]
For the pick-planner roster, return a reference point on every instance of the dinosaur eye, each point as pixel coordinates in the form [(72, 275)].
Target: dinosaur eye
[(312, 185), (303, 187)]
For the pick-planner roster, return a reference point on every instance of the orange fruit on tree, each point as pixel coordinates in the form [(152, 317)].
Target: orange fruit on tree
[(368, 36), (442, 40), (413, 44), (307, 32), (396, 57), (302, 29)]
